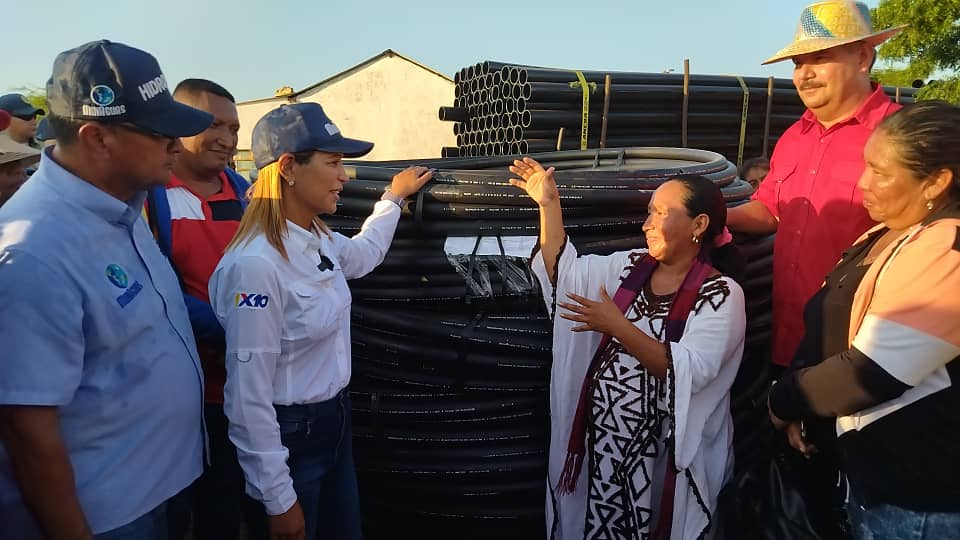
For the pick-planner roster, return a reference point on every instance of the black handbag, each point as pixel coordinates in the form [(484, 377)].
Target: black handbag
[(781, 495)]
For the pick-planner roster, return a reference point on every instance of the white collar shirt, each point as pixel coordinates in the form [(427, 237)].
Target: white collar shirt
[(287, 325)]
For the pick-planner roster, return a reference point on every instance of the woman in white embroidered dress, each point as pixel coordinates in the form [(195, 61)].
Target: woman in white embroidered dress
[(658, 393)]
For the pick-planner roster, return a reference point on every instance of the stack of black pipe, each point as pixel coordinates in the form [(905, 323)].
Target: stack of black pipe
[(502, 109), (451, 350)]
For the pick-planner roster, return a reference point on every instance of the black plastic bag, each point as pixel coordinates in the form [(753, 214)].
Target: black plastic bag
[(782, 495)]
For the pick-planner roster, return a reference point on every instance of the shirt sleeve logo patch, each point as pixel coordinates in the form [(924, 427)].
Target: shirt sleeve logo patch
[(250, 300)]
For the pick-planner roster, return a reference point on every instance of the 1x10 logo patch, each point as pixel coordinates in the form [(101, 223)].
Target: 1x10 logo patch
[(251, 300)]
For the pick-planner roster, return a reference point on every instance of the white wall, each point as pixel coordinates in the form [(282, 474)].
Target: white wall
[(249, 113), (391, 102)]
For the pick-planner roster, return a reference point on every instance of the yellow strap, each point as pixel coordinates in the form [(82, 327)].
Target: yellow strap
[(585, 118), (743, 119)]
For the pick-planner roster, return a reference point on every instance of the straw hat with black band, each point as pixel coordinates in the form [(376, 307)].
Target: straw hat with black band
[(11, 150)]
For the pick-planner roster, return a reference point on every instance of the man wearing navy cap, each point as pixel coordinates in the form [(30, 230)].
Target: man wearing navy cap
[(194, 217), (100, 383), (23, 118), (44, 135)]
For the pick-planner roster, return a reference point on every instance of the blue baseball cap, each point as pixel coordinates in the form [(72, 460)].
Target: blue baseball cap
[(17, 105), (299, 127), (113, 82), (44, 131)]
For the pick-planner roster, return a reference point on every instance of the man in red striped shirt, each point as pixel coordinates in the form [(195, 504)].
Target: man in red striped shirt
[(194, 217)]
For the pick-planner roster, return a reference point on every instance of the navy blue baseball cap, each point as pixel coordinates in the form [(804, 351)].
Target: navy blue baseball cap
[(299, 127), (17, 105), (44, 131), (113, 82)]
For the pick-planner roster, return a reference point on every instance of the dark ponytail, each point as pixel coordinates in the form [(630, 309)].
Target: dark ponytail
[(704, 197), (728, 260)]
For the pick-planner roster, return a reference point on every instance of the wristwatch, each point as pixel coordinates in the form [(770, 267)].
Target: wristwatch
[(392, 197)]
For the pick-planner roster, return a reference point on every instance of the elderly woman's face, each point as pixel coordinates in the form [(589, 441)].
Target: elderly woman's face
[(668, 228), (891, 193)]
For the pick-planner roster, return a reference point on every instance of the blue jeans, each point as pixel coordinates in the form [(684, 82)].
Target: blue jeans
[(319, 438), (886, 522)]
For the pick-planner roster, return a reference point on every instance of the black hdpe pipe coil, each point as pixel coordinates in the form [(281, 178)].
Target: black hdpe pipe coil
[(451, 339)]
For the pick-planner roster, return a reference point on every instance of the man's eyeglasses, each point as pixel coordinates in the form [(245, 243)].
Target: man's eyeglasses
[(26, 117)]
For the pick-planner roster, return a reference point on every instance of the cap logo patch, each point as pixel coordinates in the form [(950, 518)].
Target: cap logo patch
[(102, 95), (332, 129), (153, 88)]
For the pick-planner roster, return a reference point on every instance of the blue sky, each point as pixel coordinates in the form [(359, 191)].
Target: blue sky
[(255, 47)]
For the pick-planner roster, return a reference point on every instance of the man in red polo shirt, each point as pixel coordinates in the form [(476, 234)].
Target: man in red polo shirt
[(194, 217), (810, 196)]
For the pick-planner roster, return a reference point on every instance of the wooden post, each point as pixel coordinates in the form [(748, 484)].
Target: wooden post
[(686, 102), (606, 110), (766, 118)]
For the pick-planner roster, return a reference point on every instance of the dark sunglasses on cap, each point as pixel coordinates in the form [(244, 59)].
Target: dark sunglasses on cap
[(27, 117)]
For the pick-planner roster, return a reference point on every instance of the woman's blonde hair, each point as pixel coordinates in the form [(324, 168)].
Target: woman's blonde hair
[(264, 213)]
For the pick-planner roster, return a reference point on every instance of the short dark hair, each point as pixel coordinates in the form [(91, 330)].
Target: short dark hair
[(65, 130), (194, 87), (926, 136), (756, 162)]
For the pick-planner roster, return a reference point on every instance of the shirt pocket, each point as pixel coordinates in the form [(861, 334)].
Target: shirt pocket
[(845, 175), (783, 174), (319, 306), (840, 203)]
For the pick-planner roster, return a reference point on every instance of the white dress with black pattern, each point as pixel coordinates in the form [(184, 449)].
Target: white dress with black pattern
[(632, 412)]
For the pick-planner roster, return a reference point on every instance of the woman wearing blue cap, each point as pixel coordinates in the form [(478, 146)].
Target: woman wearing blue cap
[(281, 294)]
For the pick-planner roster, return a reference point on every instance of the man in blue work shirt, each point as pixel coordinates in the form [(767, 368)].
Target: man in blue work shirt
[(100, 384)]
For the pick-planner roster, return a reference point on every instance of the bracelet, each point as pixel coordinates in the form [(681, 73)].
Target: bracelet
[(392, 197)]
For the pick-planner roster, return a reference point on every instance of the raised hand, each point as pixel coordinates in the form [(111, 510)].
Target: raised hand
[(409, 181), (537, 182)]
